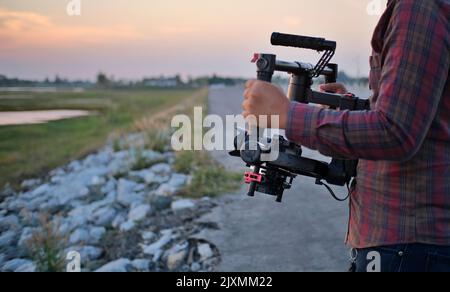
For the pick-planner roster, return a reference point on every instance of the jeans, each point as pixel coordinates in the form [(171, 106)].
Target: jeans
[(402, 258)]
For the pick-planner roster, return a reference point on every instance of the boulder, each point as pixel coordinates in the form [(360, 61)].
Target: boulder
[(182, 205), (118, 266), (139, 213)]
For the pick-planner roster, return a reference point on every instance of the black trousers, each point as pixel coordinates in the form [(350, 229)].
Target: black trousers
[(402, 258)]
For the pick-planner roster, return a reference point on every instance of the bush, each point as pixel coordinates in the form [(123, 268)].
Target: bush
[(46, 247), (157, 140)]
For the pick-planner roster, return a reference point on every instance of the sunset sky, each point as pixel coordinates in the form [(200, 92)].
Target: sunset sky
[(135, 38)]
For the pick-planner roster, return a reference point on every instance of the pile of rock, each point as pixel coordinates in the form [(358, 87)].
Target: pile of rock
[(90, 199)]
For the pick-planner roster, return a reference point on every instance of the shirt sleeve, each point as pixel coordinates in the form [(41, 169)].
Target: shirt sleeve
[(413, 80)]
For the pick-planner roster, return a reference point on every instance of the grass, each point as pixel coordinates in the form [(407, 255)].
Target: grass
[(46, 247), (209, 178), (142, 162), (157, 140), (32, 150)]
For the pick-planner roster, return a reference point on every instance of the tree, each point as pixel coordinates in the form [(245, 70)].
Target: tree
[(102, 80)]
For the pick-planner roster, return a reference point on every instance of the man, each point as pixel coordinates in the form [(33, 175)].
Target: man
[(400, 205)]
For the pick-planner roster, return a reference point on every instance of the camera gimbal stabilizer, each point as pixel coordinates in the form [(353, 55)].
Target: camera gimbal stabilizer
[(274, 177)]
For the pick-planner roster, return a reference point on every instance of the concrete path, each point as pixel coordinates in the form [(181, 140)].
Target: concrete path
[(305, 233)]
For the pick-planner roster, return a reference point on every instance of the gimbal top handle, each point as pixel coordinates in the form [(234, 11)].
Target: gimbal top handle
[(303, 42)]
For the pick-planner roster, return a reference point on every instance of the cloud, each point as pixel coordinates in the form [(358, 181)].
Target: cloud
[(28, 29)]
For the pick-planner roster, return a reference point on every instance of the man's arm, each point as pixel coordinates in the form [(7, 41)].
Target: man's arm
[(414, 76)]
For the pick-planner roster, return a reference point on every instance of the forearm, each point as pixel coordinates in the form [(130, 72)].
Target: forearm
[(370, 135)]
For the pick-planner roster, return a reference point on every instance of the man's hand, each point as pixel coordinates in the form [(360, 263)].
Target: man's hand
[(333, 88), (265, 99)]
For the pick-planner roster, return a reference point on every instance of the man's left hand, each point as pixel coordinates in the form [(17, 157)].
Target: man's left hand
[(265, 99)]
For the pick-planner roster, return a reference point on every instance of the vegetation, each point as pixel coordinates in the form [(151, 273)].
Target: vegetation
[(209, 178), (33, 150), (46, 247)]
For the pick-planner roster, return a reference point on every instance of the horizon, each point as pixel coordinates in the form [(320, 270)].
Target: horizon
[(139, 39)]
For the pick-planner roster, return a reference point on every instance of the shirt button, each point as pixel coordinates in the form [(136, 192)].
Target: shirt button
[(401, 253)]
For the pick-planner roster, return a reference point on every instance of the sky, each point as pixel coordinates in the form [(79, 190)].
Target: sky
[(135, 38)]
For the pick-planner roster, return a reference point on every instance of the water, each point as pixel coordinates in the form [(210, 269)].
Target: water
[(39, 117), (42, 89)]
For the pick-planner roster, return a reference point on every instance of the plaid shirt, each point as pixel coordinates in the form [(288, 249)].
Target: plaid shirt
[(402, 193)]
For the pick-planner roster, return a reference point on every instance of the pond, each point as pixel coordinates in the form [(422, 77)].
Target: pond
[(39, 117)]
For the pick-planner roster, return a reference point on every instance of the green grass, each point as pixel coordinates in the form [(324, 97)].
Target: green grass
[(33, 150), (209, 178)]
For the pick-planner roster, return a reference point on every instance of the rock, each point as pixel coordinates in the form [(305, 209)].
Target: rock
[(157, 256), (87, 212), (52, 206), (29, 184), (7, 192), (161, 169), (104, 216), (157, 246), (182, 205), (195, 267), (97, 181), (127, 226), (120, 218), (27, 234), (30, 218), (165, 190), (110, 186), (39, 191), (80, 235), (161, 203), (74, 166), (26, 268), (75, 222), (148, 235), (96, 234), (175, 260), (205, 251), (10, 222), (8, 238), (150, 155), (140, 188), (149, 177), (141, 265), (178, 180), (36, 203), (125, 193), (13, 265), (139, 213), (119, 266), (2, 260), (91, 235), (16, 205)]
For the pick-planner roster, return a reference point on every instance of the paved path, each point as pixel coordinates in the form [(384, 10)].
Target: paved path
[(305, 233)]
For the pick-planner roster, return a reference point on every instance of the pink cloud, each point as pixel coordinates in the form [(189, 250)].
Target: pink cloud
[(28, 29)]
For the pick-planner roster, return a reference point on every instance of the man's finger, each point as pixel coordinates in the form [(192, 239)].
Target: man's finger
[(250, 83), (247, 93), (331, 87), (245, 105)]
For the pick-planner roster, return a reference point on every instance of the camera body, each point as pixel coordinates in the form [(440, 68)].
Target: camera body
[(274, 177)]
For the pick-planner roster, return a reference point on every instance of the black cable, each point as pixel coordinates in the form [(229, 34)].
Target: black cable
[(321, 183)]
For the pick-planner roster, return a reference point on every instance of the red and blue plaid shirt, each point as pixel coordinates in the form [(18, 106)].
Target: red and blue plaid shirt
[(402, 193)]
